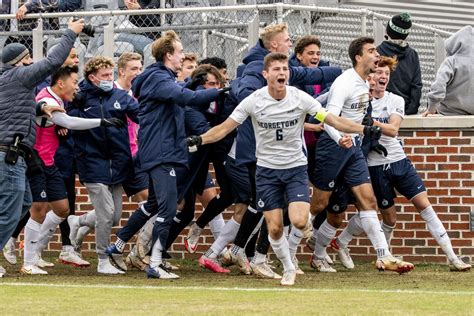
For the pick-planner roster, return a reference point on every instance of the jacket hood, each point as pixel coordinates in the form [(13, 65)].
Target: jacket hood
[(461, 42), (388, 48), (258, 52)]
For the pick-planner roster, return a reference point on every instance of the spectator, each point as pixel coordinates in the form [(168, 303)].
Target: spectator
[(452, 92), (406, 79), (149, 20), (219, 63), (17, 105)]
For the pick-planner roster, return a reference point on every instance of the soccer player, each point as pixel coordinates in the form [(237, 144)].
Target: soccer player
[(395, 171), (189, 65), (47, 187), (339, 158), (278, 114)]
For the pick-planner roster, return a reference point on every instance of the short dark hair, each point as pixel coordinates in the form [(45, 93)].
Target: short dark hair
[(305, 41), (63, 73), (356, 47), (273, 57), (203, 70), (217, 62)]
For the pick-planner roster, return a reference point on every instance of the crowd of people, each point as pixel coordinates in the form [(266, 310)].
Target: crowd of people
[(284, 124)]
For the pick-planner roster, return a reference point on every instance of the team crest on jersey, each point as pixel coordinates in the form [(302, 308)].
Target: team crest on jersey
[(117, 105), (331, 184), (260, 203), (43, 194), (172, 172), (384, 202)]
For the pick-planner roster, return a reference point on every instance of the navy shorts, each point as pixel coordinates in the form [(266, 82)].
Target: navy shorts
[(340, 198), (48, 186), (240, 181), (138, 182), (272, 184), (334, 163), (400, 175)]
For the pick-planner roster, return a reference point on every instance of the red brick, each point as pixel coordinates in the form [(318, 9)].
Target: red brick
[(459, 158), (401, 250), (430, 184), (415, 225), (446, 166), (461, 242), (436, 158), (423, 234), (404, 233), (437, 141), (461, 192), (467, 150), (425, 150), (459, 141), (449, 200), (450, 133), (461, 175), (459, 209), (415, 141), (467, 166), (438, 175), (426, 133), (437, 192), (454, 226), (468, 200), (426, 166), (449, 183)]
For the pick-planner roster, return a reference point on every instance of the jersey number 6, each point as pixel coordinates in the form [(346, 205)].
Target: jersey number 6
[(279, 134)]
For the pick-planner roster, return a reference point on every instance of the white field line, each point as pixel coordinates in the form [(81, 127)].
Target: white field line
[(230, 289)]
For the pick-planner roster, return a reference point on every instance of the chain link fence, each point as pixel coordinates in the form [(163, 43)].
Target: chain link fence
[(226, 32)]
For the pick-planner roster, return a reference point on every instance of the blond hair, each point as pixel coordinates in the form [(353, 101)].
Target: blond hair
[(126, 57), (270, 31), (96, 63), (164, 45)]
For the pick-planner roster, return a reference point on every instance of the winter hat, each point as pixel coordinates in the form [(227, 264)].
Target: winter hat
[(399, 26), (13, 53)]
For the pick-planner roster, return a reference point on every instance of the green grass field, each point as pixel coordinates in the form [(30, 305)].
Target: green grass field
[(428, 290)]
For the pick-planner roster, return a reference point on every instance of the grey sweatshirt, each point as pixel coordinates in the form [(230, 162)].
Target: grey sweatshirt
[(452, 92)]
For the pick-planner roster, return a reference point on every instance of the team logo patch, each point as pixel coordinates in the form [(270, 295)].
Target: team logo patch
[(384, 202), (172, 172), (43, 194), (260, 203), (336, 208), (117, 105), (331, 184)]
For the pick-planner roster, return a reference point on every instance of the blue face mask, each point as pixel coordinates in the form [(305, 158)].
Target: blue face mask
[(106, 85)]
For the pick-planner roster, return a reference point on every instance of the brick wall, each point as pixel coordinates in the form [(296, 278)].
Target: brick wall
[(442, 150)]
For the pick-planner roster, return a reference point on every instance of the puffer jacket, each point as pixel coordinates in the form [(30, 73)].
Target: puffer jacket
[(17, 92)]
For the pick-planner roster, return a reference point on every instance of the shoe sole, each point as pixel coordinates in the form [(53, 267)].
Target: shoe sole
[(453, 269), (208, 267), (399, 270), (77, 265)]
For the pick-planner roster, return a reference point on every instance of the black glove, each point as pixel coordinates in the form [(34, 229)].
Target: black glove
[(373, 132), (368, 120), (193, 143), (224, 90), (199, 80), (112, 122), (379, 149)]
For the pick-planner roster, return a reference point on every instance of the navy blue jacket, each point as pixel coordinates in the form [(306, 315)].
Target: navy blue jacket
[(405, 81), (252, 80), (162, 100), (103, 154)]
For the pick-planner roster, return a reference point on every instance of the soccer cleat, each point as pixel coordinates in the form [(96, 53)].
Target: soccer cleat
[(133, 261), (320, 265), (74, 226), (81, 234), (328, 259), (212, 265), (263, 270), (2, 272), (240, 260), (169, 266), (459, 265), (297, 268), (70, 257), (43, 263), (116, 257), (288, 278), (9, 251), (392, 264), (160, 272), (343, 254), (32, 270), (226, 258), (191, 241), (105, 267)]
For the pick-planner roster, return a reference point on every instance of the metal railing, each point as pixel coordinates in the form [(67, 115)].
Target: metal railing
[(225, 31)]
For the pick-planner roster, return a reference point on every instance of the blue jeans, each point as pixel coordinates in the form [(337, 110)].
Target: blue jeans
[(15, 196)]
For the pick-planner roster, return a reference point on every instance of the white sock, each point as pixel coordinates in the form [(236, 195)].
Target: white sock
[(353, 228), (216, 225), (438, 232), (228, 233), (51, 222), (32, 229), (259, 258), (67, 248), (371, 225), (156, 254), (325, 234), (88, 219), (281, 250), (387, 231), (286, 230), (294, 240)]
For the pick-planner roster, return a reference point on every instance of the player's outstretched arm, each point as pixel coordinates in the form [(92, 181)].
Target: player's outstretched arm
[(213, 135), (391, 128), (347, 126)]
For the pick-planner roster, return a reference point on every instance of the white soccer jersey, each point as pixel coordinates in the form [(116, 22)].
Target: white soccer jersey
[(278, 125), (382, 109), (349, 98)]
